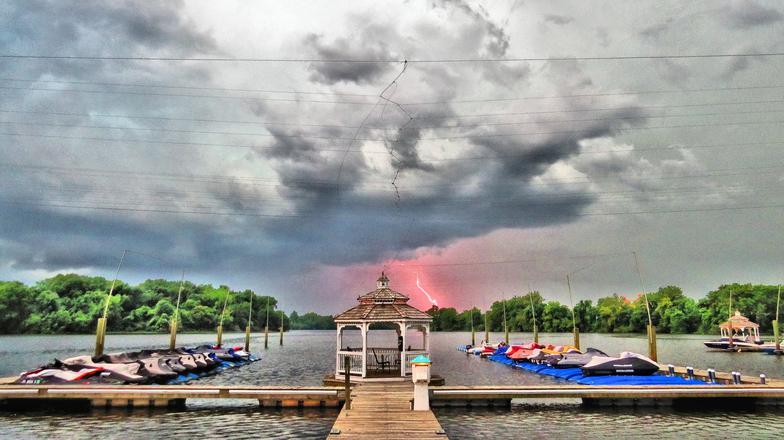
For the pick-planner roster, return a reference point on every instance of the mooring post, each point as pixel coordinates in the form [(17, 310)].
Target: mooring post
[(100, 336), (652, 342), (711, 375), (220, 335), (281, 327), (347, 378), (763, 379), (690, 372), (173, 334), (266, 327), (671, 370), (247, 338)]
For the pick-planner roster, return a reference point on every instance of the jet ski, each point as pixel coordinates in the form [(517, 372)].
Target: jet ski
[(627, 364), (55, 375), (156, 369), (522, 352), (124, 372), (573, 360)]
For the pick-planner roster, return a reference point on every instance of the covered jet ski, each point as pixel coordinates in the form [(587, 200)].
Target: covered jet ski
[(128, 372), (573, 360), (47, 375), (524, 351), (627, 364)]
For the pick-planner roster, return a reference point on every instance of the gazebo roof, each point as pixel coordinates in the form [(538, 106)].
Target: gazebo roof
[(738, 322), (383, 304)]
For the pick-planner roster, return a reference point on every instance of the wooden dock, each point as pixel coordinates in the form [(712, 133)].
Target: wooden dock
[(166, 395), (464, 396), (383, 411)]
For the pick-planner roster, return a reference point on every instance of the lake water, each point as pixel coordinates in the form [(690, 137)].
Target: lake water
[(308, 356)]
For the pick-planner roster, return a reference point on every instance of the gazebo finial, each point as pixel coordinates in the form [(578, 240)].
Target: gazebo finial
[(383, 281)]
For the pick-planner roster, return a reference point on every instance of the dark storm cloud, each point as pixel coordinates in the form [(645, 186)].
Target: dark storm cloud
[(749, 14), (357, 48)]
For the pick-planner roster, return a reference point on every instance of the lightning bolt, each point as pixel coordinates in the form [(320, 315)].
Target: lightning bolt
[(430, 298)]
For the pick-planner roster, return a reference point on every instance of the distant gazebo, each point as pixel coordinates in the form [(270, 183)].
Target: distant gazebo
[(739, 325), (387, 309)]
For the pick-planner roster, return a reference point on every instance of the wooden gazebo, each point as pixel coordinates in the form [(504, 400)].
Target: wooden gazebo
[(389, 310)]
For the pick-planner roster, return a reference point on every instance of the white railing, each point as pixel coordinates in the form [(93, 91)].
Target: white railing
[(356, 362), (377, 356), (410, 355)]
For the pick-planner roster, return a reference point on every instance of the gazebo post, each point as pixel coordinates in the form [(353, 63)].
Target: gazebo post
[(339, 339), (365, 329), (403, 328), (427, 339)]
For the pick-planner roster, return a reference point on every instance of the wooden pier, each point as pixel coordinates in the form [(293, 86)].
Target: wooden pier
[(168, 395), (466, 396), (383, 411)]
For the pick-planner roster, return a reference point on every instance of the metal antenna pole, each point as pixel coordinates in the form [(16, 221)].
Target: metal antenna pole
[(100, 332), (652, 351)]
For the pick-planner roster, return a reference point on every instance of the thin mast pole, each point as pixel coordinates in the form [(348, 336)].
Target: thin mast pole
[(473, 332), (651, 330), (533, 313), (100, 331), (176, 317), (776, 322), (506, 329)]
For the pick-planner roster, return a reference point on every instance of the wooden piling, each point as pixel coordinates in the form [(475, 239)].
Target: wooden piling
[(652, 352), (219, 330), (347, 378), (100, 336), (281, 327), (247, 338), (173, 334), (576, 334)]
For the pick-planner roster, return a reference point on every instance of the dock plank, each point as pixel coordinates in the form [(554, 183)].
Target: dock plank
[(383, 411)]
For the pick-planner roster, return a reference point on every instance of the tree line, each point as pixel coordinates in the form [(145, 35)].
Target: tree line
[(671, 312), (70, 303)]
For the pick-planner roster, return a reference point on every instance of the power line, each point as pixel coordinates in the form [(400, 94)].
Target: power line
[(390, 60), (184, 95), (367, 95), (433, 127), (374, 139), (436, 221), (169, 86)]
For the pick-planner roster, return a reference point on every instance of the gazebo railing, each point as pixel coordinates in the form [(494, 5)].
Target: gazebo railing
[(390, 355), (356, 362)]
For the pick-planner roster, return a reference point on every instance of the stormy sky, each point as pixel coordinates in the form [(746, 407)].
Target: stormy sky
[(305, 179)]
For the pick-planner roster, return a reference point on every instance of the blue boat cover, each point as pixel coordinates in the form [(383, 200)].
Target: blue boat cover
[(576, 375)]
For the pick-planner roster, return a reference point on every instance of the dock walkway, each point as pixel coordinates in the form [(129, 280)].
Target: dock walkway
[(383, 411)]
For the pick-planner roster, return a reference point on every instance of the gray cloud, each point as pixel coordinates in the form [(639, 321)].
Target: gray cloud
[(352, 48), (749, 14), (560, 20)]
